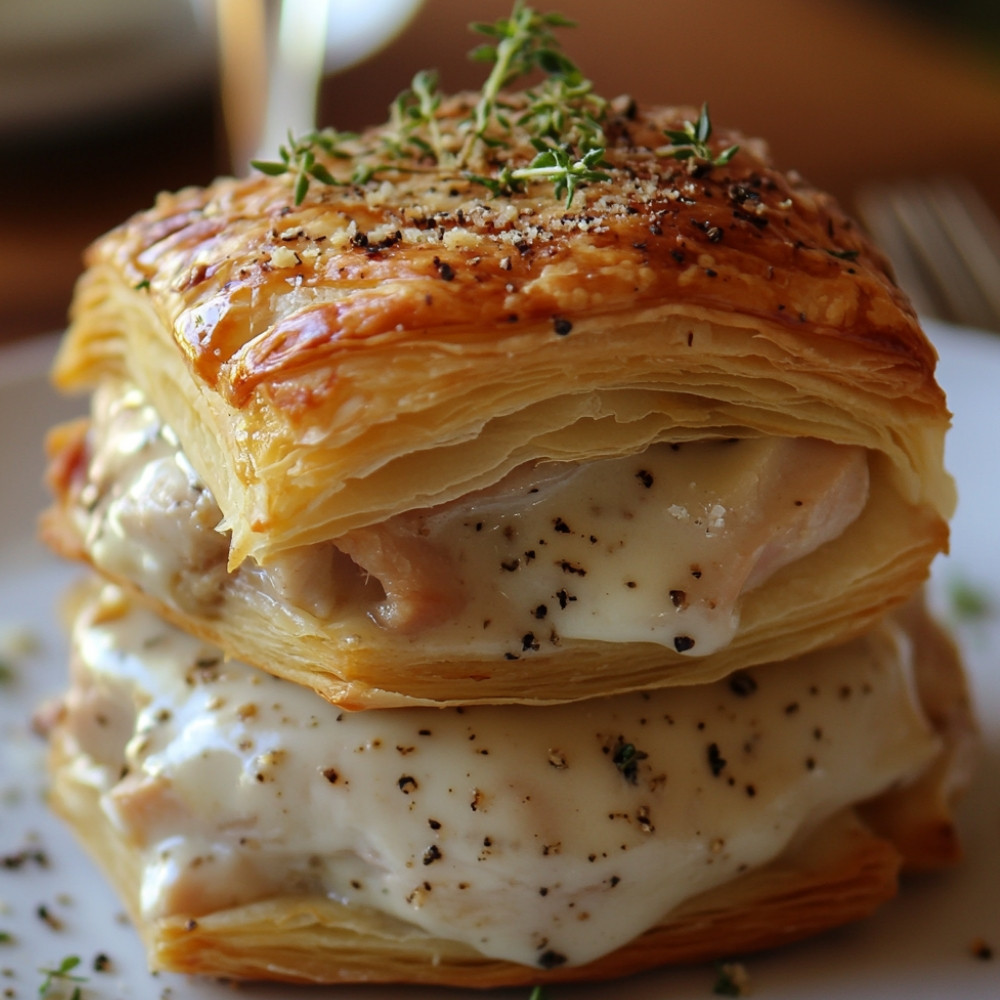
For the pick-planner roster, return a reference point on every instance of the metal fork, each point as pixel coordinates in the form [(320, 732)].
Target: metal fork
[(944, 243)]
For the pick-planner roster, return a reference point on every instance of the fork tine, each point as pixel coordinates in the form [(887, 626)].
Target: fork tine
[(975, 233), (874, 206), (934, 248), (944, 244)]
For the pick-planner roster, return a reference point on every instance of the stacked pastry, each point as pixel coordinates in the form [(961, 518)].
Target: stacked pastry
[(500, 586)]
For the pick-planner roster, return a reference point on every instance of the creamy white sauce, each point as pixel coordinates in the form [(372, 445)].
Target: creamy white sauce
[(659, 547), (538, 835), (144, 513)]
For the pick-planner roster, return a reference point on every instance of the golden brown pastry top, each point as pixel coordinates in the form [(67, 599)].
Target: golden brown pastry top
[(432, 248), (401, 342)]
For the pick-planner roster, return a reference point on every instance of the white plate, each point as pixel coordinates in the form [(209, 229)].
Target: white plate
[(917, 947)]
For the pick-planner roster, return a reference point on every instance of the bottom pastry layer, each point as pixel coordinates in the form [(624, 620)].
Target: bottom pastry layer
[(256, 831)]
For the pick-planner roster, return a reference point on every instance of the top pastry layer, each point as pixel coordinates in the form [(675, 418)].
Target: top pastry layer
[(401, 342)]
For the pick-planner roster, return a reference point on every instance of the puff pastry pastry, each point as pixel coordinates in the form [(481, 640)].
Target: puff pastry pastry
[(256, 831), (609, 512), (342, 378)]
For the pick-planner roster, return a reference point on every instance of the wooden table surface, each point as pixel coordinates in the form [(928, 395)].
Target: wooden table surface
[(845, 91)]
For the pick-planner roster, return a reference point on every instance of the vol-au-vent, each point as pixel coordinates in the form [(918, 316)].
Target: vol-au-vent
[(336, 402), (508, 527)]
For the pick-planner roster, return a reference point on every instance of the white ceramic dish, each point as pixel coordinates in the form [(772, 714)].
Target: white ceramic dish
[(918, 948)]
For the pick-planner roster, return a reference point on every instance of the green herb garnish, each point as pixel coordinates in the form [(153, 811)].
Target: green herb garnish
[(413, 111), (566, 109), (968, 601), (562, 117), (298, 158), (626, 758), (538, 993), (524, 43), (556, 163), (16, 643), (691, 143), (62, 973)]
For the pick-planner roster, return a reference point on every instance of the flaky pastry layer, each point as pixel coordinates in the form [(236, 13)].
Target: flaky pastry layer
[(841, 870), (842, 874), (402, 342), (834, 593)]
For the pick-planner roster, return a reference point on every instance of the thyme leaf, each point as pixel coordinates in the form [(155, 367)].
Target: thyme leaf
[(553, 163), (63, 972), (567, 173), (566, 110), (690, 142), (415, 109), (626, 758), (504, 183), (298, 158), (969, 602)]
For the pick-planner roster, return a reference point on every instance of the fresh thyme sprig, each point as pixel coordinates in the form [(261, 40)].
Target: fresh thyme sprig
[(562, 115), (552, 162), (566, 109), (414, 110), (525, 43), (691, 143), (298, 158)]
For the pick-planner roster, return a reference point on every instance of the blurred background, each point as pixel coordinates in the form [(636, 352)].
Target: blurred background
[(105, 103)]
